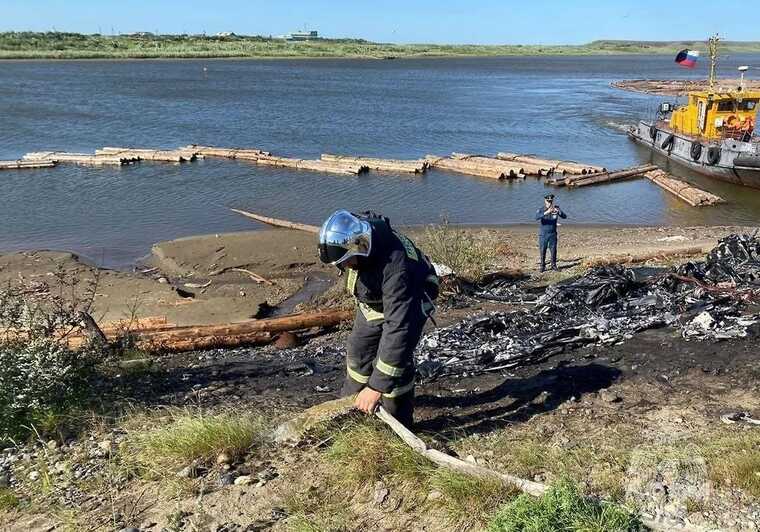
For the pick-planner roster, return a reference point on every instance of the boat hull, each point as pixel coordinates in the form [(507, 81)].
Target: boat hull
[(679, 151)]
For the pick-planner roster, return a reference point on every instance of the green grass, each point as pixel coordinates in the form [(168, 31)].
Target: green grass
[(186, 437), (562, 507), (8, 500), (470, 501), (59, 45), (367, 452)]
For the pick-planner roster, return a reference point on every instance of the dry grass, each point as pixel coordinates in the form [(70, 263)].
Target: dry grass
[(469, 254)]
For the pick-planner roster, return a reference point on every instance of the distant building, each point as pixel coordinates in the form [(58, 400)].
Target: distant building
[(303, 36), (142, 34), (226, 34)]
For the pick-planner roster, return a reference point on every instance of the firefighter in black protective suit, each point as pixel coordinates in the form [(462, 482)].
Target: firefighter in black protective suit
[(394, 285)]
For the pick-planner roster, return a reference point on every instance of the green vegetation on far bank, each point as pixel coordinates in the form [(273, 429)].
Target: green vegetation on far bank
[(59, 45)]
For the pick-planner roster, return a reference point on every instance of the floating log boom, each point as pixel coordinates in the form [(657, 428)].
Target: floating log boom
[(606, 177), (17, 165), (277, 222), (381, 165), (514, 169), (683, 190), (88, 159), (228, 153), (465, 167), (569, 167), (169, 156)]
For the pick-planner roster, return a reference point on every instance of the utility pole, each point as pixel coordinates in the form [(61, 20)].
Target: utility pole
[(712, 47)]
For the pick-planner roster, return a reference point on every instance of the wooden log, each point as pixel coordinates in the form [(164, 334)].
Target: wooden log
[(87, 159), (169, 156), (229, 153), (570, 167), (464, 167), (381, 165), (606, 177), (184, 338), (690, 194), (518, 168), (21, 164), (277, 222), (314, 165)]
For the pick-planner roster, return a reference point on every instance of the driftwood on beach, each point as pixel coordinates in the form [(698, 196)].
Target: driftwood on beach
[(277, 222), (165, 337)]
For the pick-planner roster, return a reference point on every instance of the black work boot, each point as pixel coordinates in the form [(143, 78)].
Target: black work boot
[(542, 269)]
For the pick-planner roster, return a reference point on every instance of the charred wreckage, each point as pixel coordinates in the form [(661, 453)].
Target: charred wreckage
[(714, 299)]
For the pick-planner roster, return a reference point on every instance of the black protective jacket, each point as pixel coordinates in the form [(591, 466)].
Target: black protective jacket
[(393, 286)]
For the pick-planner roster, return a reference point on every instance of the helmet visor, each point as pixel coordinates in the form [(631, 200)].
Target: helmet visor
[(343, 236)]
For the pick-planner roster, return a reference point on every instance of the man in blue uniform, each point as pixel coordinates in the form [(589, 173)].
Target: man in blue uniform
[(394, 284), (547, 236)]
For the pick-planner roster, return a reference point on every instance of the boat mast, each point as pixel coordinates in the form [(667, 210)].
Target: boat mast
[(712, 47)]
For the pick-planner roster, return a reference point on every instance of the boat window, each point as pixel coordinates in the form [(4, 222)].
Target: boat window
[(748, 105), (725, 106)]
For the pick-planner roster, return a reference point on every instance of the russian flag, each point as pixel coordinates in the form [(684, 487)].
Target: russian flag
[(687, 58)]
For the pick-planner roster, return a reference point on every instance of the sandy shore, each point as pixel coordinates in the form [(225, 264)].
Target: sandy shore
[(198, 280)]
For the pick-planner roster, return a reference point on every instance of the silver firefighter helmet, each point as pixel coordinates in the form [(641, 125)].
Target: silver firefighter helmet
[(343, 236)]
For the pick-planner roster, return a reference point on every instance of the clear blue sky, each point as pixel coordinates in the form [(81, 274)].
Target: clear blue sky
[(430, 21)]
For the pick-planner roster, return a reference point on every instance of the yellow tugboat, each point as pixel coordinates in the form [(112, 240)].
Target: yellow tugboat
[(713, 133)]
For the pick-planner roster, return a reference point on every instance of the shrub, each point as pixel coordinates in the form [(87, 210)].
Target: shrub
[(459, 249), (563, 507), (40, 376)]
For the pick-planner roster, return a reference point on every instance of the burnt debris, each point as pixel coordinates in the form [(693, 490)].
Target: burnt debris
[(714, 299)]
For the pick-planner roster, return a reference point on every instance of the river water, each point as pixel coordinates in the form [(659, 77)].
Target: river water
[(561, 107)]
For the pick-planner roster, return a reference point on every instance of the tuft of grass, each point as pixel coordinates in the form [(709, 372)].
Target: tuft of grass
[(470, 501), (741, 469), (461, 250), (563, 507), (367, 452), (8, 500), (187, 437)]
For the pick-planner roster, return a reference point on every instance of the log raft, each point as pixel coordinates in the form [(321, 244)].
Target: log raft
[(85, 159), (683, 190), (416, 166), (606, 177), (569, 167), (141, 154), (515, 169), (20, 164), (227, 153), (465, 167), (267, 159)]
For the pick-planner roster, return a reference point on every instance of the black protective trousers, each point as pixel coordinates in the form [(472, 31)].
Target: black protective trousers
[(361, 358)]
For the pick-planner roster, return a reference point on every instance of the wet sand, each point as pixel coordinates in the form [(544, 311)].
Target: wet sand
[(191, 280)]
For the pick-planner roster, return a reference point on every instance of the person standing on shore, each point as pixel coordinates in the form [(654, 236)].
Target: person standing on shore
[(394, 285), (547, 236)]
